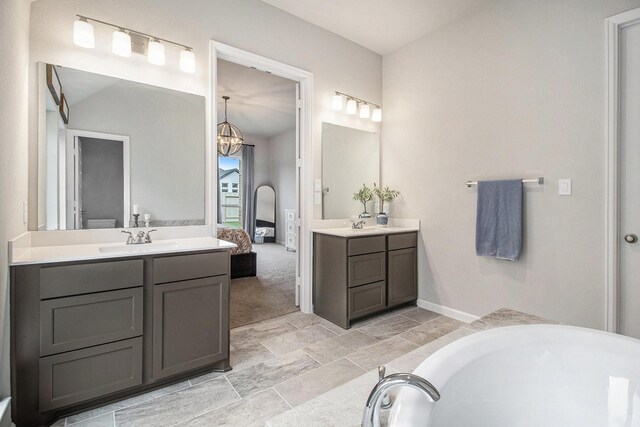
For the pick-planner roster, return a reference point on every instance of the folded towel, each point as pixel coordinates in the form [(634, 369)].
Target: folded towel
[(499, 219)]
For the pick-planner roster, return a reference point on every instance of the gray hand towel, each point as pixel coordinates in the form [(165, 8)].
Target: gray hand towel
[(499, 219)]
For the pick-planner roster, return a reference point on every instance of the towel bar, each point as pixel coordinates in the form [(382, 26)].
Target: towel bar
[(539, 180)]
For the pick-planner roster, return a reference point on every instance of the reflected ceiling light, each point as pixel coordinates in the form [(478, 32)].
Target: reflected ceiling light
[(83, 33), (121, 44), (229, 136), (364, 111), (336, 102), (155, 52), (187, 61), (352, 106), (376, 116)]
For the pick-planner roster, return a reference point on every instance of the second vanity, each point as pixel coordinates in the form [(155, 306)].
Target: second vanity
[(115, 322), (362, 272)]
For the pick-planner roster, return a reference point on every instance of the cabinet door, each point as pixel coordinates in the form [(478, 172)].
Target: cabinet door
[(403, 276), (190, 324)]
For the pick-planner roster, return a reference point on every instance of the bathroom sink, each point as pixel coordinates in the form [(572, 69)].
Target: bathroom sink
[(139, 249)]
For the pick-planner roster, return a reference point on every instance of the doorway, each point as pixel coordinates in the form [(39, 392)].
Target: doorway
[(99, 166), (623, 216), (303, 175)]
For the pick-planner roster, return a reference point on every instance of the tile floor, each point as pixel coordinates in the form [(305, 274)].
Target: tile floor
[(287, 365)]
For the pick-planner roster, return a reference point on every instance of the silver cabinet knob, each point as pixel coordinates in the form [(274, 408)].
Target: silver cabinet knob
[(631, 238)]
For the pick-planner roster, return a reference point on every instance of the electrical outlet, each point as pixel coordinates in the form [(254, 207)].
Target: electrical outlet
[(317, 186), (317, 198)]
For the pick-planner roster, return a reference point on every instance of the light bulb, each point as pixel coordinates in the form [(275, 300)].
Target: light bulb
[(336, 102), (83, 34), (376, 116), (155, 52), (364, 111), (121, 44), (187, 61), (352, 106)]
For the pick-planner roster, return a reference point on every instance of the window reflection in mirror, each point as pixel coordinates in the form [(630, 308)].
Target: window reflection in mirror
[(350, 158), (119, 148)]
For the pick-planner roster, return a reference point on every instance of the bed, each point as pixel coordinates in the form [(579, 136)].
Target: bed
[(266, 230), (243, 260)]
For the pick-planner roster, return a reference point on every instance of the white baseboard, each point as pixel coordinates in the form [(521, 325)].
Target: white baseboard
[(5, 413), (447, 311)]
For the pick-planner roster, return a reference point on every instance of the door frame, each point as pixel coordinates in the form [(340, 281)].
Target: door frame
[(304, 161), (614, 25), (73, 134)]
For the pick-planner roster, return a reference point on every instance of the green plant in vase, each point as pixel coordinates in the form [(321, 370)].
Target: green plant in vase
[(364, 196), (385, 195)]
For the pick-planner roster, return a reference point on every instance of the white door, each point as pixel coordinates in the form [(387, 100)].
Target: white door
[(629, 248), (298, 222)]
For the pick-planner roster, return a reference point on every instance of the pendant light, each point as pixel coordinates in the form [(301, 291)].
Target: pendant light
[(229, 136)]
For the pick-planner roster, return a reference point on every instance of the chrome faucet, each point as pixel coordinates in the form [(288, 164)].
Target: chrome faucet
[(147, 237), (357, 225), (138, 239), (380, 390)]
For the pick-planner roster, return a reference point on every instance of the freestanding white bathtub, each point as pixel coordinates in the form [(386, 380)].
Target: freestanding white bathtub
[(533, 375)]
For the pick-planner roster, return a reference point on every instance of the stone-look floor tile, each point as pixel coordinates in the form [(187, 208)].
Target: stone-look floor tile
[(507, 317), (389, 327), (253, 334), (397, 311), (313, 383), (340, 346), (420, 315), (301, 320), (179, 406), (410, 361), (59, 423), (296, 340), (429, 331), (250, 412), (259, 377), (381, 353), (249, 356), (205, 377), (104, 420), (341, 407), (121, 404)]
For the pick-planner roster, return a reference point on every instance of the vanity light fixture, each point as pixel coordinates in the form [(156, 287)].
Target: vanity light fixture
[(352, 106), (83, 33), (123, 45), (229, 136)]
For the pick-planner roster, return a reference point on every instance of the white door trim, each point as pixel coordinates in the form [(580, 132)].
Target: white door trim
[(614, 25), (305, 78), (72, 134)]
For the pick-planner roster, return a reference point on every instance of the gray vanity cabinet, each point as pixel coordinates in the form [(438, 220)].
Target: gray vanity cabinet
[(85, 333), (354, 277), (190, 316)]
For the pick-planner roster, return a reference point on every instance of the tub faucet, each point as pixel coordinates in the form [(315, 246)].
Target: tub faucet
[(386, 383), (357, 225)]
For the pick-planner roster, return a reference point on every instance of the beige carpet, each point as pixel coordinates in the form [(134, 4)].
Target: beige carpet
[(271, 293)]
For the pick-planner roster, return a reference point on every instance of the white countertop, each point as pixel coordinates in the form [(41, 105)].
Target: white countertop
[(66, 253), (365, 231)]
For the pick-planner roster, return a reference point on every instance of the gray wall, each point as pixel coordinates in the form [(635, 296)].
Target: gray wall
[(516, 90), (14, 47), (282, 173), (102, 180)]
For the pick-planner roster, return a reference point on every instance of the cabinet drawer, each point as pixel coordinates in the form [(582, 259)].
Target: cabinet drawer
[(366, 245), (365, 269), (366, 299), (85, 374), (66, 280), (86, 320), (193, 266), (401, 241)]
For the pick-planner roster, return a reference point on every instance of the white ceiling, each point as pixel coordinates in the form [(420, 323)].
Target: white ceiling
[(261, 104), (380, 25)]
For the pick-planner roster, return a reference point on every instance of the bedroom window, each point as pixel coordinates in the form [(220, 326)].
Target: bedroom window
[(230, 179)]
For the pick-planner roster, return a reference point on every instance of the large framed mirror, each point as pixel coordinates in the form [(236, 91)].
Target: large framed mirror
[(115, 153), (350, 158), (265, 203)]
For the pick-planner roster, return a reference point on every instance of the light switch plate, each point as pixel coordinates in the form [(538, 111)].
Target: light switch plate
[(317, 198), (564, 187), (317, 186)]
